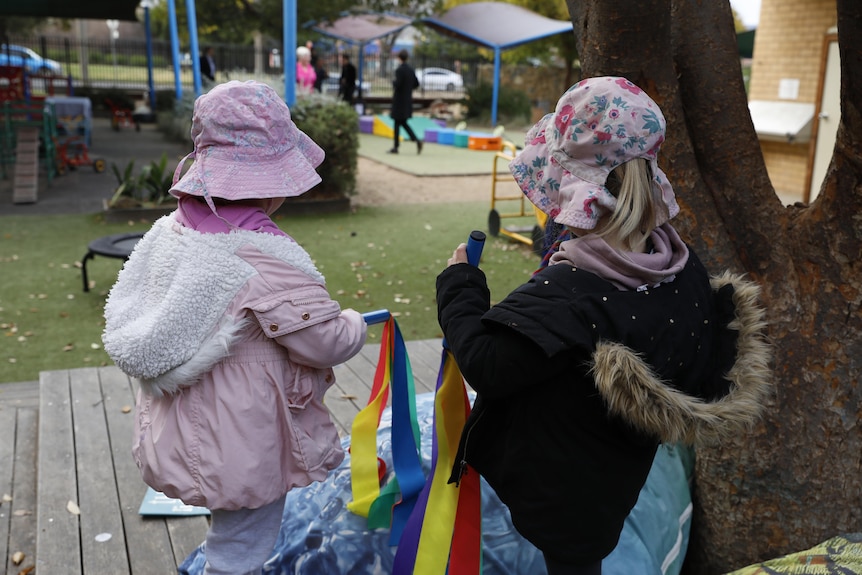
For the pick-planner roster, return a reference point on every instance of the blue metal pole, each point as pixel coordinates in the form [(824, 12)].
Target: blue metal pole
[(496, 95), (193, 41), (150, 82), (361, 75), (289, 33), (175, 49)]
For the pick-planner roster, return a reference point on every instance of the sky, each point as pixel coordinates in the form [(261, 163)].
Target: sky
[(748, 10)]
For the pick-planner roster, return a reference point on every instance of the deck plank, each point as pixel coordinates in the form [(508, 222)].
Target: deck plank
[(97, 486), (425, 364), (345, 399), (7, 457), (151, 552), (85, 425), (22, 525), (58, 541), (20, 394)]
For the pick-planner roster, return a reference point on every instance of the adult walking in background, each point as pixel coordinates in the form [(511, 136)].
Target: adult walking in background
[(347, 83), (207, 63), (402, 101), (320, 72)]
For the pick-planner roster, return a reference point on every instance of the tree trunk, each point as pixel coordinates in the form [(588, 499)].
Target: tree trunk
[(795, 479)]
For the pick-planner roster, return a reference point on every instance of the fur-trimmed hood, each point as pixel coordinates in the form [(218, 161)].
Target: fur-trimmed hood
[(633, 391)]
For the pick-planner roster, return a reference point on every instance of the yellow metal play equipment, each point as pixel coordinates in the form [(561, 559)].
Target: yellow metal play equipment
[(532, 235)]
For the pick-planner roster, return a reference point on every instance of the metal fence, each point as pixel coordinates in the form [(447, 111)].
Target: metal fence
[(122, 65)]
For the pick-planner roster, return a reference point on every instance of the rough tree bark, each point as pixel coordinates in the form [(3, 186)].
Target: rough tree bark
[(795, 479)]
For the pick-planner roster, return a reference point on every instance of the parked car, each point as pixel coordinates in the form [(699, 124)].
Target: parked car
[(18, 56), (439, 79), (330, 84)]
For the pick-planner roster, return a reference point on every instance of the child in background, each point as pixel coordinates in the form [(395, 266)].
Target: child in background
[(306, 75), (622, 342), (229, 326)]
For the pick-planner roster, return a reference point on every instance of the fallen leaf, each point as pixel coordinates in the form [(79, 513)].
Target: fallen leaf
[(27, 570), (17, 557), (13, 360), (70, 296), (73, 508), (7, 498), (21, 513), (95, 346), (347, 396), (126, 408), (68, 347)]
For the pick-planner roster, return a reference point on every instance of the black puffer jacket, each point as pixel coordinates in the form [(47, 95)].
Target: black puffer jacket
[(579, 382)]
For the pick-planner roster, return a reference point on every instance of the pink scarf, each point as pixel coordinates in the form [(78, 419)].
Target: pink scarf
[(198, 216), (627, 270)]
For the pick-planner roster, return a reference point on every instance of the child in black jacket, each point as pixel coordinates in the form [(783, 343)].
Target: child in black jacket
[(622, 342)]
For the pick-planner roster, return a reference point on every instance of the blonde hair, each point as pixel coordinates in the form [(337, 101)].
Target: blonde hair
[(637, 203)]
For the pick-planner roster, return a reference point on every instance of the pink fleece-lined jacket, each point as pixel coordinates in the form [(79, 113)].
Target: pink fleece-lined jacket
[(232, 336)]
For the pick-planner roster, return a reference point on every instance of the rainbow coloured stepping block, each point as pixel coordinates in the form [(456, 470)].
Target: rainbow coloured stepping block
[(446, 136), (366, 124), (482, 141), (385, 126)]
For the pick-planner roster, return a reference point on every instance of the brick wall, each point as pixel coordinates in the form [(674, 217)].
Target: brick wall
[(786, 165), (789, 45)]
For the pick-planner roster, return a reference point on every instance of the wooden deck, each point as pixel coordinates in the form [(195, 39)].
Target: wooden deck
[(67, 475)]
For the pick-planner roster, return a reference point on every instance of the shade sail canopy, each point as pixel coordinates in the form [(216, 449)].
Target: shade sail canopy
[(362, 28), (496, 24), (84, 9)]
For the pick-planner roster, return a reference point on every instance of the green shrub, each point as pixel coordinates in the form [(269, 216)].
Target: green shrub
[(513, 106), (334, 125), (147, 188)]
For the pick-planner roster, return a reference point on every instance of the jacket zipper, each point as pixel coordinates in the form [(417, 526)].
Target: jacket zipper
[(462, 465), (308, 301)]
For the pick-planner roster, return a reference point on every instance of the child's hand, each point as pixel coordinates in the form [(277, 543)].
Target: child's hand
[(459, 256)]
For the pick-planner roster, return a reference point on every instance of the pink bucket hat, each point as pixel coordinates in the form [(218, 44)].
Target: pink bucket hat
[(599, 123), (247, 147)]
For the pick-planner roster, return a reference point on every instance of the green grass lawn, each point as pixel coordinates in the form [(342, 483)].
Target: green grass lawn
[(375, 258)]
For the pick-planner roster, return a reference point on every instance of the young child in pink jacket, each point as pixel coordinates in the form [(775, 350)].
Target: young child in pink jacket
[(228, 325)]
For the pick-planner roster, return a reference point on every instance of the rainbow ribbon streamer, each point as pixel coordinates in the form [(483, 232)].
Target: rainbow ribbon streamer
[(455, 521), (391, 507), (449, 539)]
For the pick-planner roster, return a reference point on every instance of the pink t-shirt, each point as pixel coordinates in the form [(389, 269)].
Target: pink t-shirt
[(305, 75)]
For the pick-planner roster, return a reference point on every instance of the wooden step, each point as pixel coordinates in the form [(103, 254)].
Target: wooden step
[(83, 456), (25, 185)]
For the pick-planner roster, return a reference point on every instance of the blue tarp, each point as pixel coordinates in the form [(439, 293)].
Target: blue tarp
[(320, 536)]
